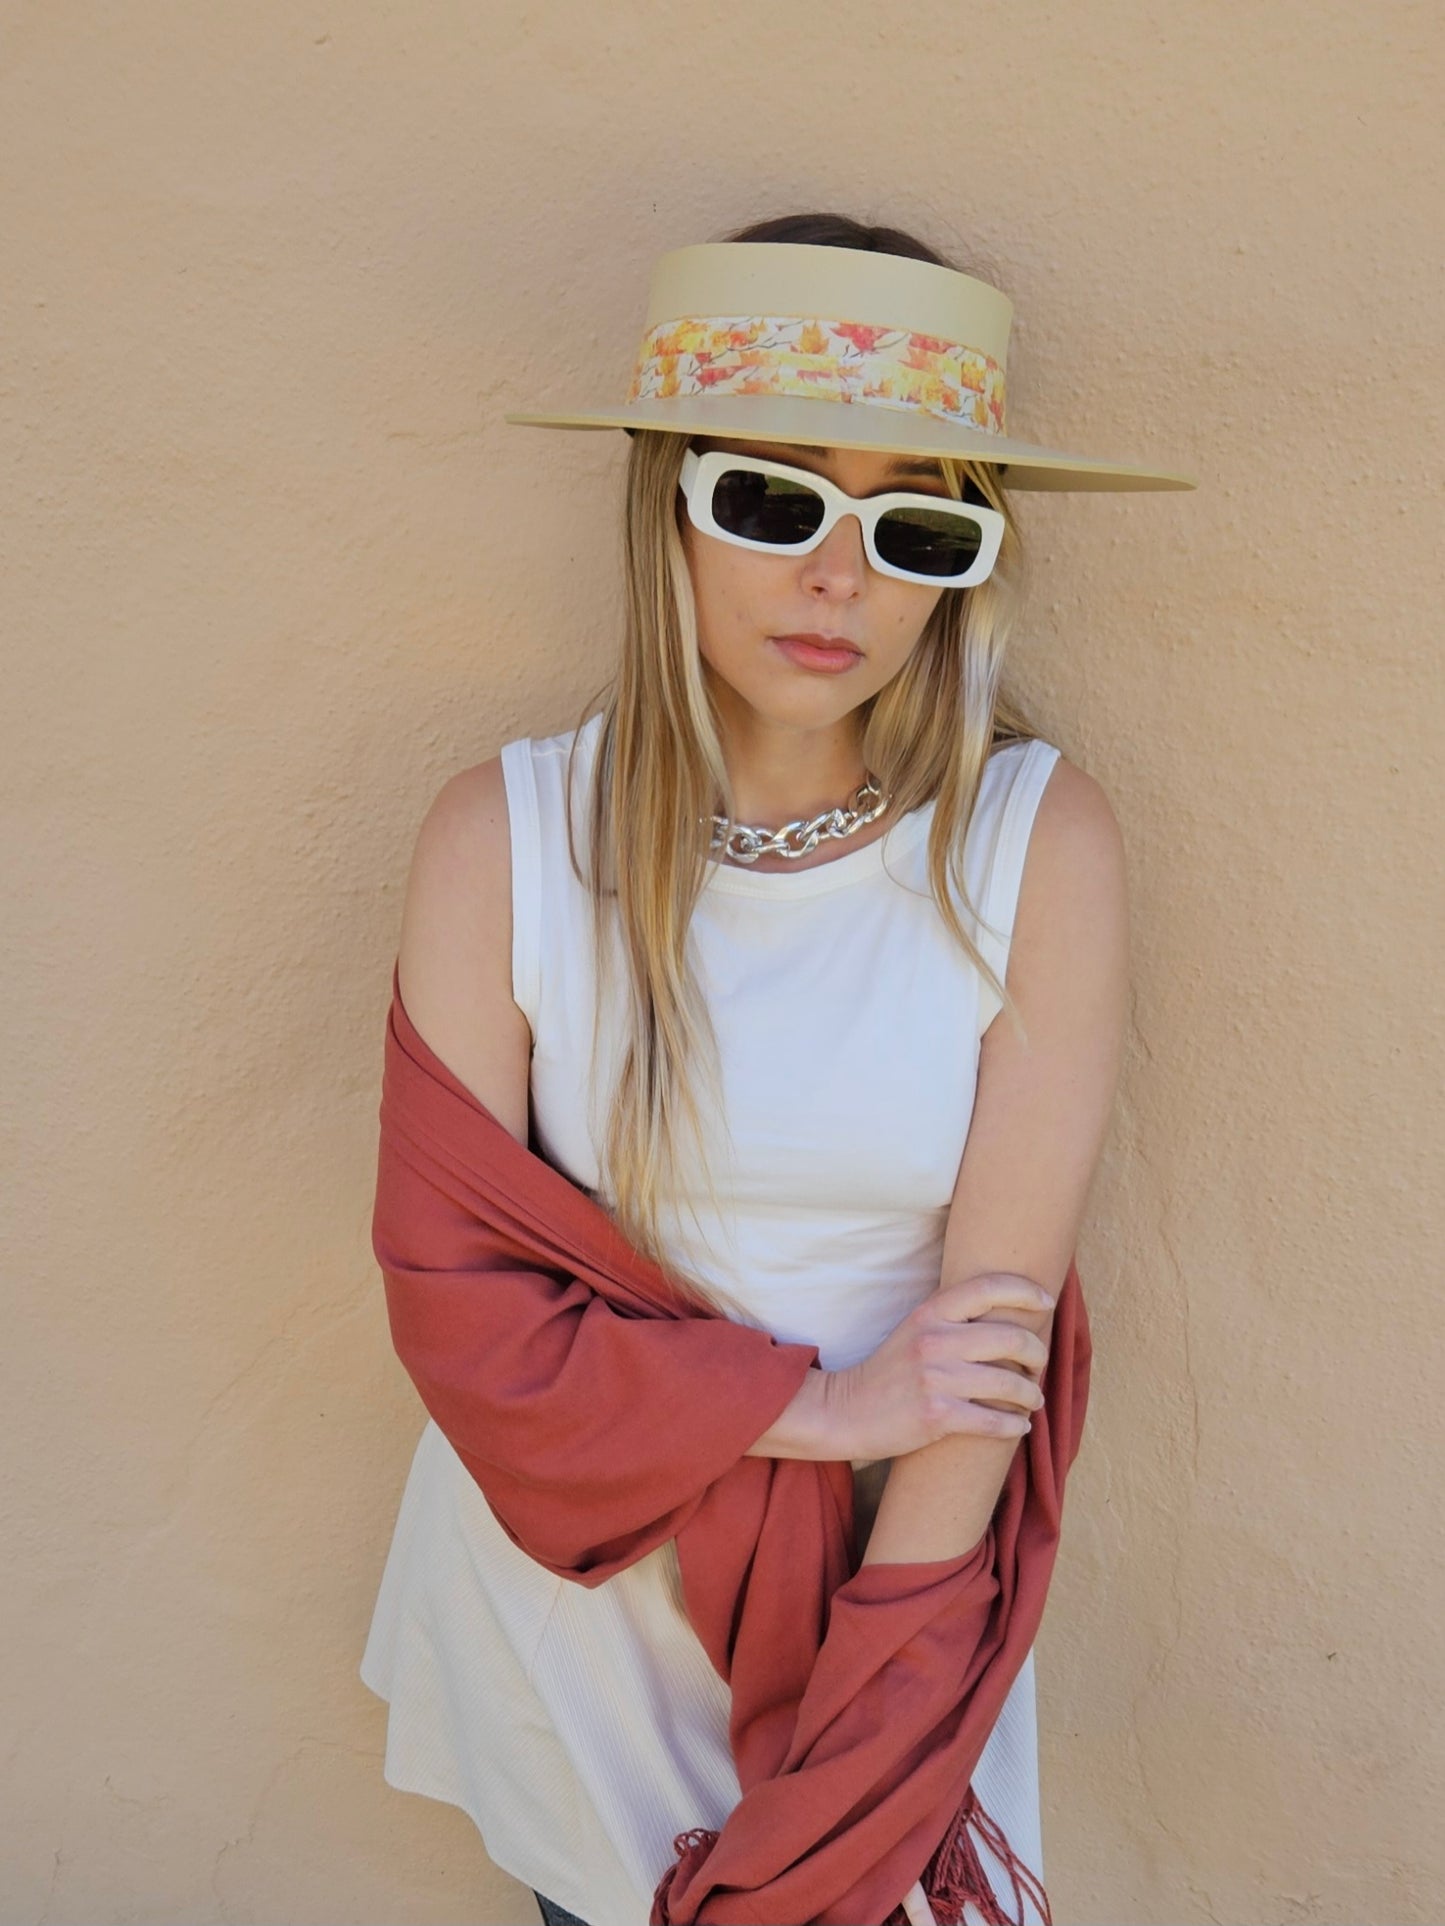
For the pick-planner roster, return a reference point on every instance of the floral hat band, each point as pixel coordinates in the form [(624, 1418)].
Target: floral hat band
[(781, 341), (783, 354)]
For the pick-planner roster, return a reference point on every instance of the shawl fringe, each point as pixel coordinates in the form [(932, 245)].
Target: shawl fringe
[(953, 1878)]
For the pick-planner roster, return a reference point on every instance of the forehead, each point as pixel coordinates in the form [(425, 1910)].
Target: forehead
[(807, 454)]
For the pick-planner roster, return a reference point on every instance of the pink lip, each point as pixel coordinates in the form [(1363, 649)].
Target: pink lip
[(817, 652)]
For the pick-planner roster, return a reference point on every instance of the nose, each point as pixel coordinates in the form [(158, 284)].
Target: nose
[(840, 559)]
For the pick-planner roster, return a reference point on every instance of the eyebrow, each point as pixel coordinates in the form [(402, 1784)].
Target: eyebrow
[(928, 470)]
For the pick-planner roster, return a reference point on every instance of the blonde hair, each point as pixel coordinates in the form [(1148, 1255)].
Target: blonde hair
[(659, 776)]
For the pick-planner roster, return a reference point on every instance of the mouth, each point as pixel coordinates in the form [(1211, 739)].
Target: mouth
[(814, 651)]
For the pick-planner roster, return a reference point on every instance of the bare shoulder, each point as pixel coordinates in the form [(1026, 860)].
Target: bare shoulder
[(1076, 835), (465, 838), (454, 962), (1069, 951)]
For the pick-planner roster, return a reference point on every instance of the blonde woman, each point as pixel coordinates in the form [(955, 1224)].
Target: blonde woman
[(806, 955)]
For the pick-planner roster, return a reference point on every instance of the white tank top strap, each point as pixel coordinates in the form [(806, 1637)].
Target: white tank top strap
[(998, 840), (524, 814)]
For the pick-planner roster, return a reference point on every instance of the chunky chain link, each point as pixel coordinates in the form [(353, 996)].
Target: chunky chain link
[(800, 837)]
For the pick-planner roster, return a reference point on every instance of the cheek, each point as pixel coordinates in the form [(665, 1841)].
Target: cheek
[(909, 612), (730, 587)]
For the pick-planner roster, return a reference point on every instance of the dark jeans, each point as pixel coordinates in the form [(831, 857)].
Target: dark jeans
[(555, 1915)]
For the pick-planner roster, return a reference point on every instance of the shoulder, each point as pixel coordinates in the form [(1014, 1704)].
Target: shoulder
[(1071, 928), (462, 856), (1061, 817), (454, 964), (1075, 822)]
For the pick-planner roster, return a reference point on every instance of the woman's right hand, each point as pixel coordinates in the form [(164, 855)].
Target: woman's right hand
[(930, 1376)]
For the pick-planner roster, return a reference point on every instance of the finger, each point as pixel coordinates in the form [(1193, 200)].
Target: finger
[(974, 1296), (1013, 1388), (984, 1421), (997, 1341)]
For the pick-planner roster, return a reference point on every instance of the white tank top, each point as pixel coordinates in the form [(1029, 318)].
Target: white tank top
[(583, 1728)]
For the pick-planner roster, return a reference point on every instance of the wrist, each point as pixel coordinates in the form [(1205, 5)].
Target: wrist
[(831, 1433), (808, 1427)]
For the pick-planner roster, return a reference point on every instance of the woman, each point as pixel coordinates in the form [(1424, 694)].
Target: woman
[(731, 953)]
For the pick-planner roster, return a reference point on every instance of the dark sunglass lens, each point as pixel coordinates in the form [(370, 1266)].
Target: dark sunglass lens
[(765, 508), (929, 541)]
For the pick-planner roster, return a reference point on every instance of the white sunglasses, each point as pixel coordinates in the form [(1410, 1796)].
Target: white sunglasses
[(770, 506)]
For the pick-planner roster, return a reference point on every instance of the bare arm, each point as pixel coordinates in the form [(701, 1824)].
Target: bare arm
[(1039, 1123), (496, 1344), (455, 973), (454, 968), (454, 961)]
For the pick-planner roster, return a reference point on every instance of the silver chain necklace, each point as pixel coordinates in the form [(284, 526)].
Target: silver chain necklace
[(800, 837)]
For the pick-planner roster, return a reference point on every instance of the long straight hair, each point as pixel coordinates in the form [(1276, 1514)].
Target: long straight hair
[(659, 776)]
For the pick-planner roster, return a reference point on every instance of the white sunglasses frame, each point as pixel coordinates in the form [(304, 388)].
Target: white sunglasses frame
[(700, 472)]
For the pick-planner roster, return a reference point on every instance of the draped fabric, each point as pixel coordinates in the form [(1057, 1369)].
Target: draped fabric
[(601, 1416)]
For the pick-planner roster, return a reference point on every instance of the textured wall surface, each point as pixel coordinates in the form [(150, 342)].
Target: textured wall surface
[(275, 567)]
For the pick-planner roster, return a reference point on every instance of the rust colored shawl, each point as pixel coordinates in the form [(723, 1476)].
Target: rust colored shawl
[(602, 1416)]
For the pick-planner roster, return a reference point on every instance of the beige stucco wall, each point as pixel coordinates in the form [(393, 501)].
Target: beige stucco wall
[(276, 567)]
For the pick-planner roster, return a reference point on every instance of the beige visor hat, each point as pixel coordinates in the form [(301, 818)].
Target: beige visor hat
[(775, 341)]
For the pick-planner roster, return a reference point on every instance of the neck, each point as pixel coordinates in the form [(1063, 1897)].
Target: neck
[(781, 772)]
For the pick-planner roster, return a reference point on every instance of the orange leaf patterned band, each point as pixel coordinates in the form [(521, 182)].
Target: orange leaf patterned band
[(836, 360)]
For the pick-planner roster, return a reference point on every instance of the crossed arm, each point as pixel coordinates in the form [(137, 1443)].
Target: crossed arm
[(1040, 1119)]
